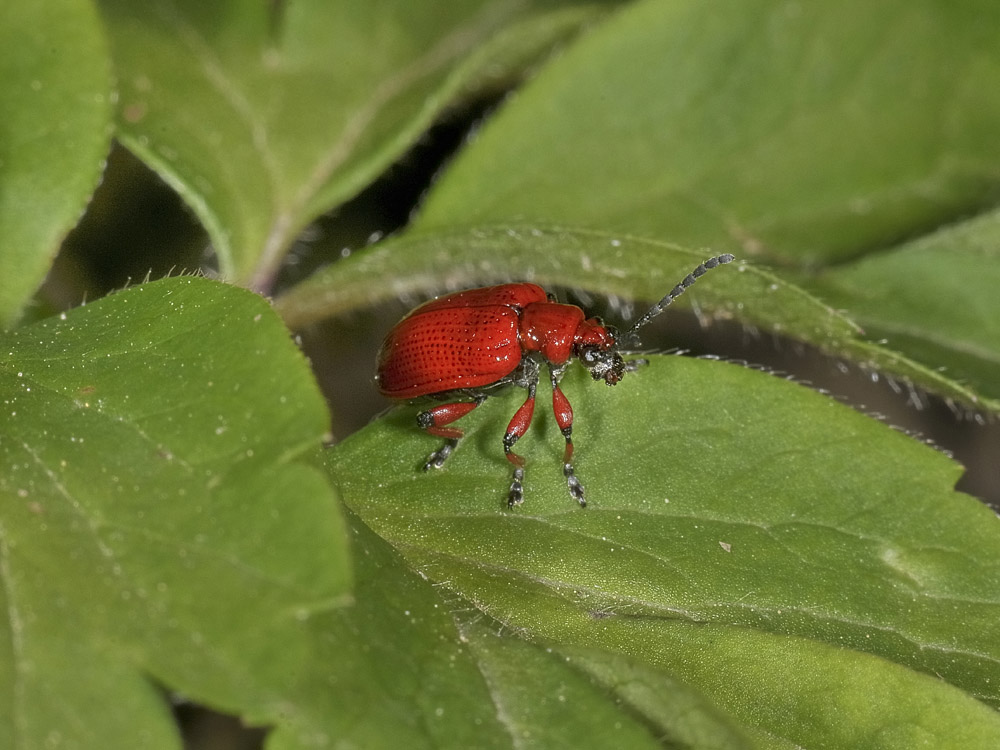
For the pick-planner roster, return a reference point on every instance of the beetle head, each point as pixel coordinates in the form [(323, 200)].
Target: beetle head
[(607, 365), (601, 356)]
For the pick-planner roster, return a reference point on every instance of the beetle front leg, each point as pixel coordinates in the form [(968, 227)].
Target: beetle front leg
[(631, 365), (564, 418), (515, 431), (433, 421)]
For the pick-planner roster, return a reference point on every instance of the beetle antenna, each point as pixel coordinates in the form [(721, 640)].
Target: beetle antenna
[(677, 291)]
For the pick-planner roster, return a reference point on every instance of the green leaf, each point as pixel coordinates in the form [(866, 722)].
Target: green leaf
[(584, 697), (410, 665), (157, 519), (801, 133), (54, 135), (934, 298), (631, 267), (263, 116), (809, 570), (390, 671)]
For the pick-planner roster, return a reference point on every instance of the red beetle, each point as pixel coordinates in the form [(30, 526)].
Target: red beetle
[(459, 347)]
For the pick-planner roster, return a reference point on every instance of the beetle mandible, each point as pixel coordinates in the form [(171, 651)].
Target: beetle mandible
[(459, 347)]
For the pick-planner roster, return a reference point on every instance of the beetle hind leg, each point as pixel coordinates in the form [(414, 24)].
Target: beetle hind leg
[(434, 422)]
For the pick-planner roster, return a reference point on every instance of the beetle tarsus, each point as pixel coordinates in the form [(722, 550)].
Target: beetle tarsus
[(437, 458), (573, 482), (516, 494)]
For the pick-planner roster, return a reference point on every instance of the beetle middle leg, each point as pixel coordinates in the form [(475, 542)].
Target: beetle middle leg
[(564, 418), (519, 424), (434, 421)]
